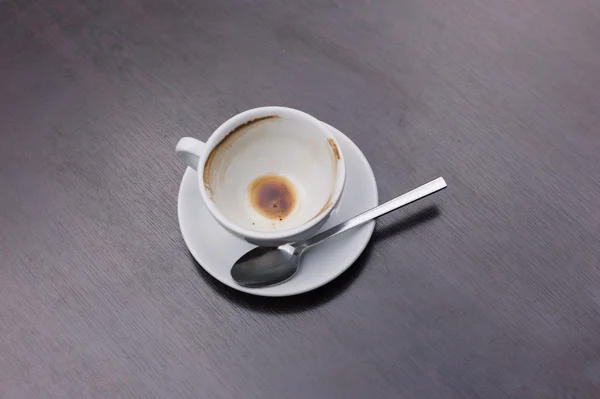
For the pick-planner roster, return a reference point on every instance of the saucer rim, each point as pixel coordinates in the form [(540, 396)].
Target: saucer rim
[(261, 292)]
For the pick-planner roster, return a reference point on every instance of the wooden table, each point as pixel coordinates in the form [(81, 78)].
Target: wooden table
[(488, 290)]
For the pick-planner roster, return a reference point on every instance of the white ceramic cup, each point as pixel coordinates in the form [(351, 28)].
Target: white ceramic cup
[(269, 175)]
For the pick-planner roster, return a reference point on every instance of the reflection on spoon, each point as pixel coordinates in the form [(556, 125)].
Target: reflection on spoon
[(266, 266)]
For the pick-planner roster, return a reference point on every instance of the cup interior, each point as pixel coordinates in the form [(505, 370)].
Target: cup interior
[(274, 173)]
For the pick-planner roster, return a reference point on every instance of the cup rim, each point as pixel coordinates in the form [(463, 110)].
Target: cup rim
[(261, 112)]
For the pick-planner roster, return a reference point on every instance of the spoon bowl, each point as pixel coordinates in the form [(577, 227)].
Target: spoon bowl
[(262, 264)]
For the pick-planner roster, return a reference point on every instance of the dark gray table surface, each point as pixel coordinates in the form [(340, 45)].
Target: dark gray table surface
[(489, 289)]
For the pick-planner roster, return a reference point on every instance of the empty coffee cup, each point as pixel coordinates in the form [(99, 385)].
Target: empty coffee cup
[(269, 175)]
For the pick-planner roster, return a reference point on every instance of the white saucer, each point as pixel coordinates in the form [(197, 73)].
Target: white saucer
[(216, 250)]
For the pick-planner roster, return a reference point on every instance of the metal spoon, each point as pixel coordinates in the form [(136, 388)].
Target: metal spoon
[(265, 266)]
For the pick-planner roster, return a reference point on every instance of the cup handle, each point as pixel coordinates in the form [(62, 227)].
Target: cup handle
[(189, 151)]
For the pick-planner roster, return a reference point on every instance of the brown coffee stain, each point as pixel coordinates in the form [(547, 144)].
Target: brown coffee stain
[(227, 140), (334, 147), (327, 205), (250, 122), (273, 196), (336, 153)]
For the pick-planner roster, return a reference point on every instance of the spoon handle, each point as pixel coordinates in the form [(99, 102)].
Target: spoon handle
[(373, 213)]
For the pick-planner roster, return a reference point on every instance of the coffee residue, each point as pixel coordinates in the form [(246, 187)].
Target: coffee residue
[(334, 147), (273, 196)]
